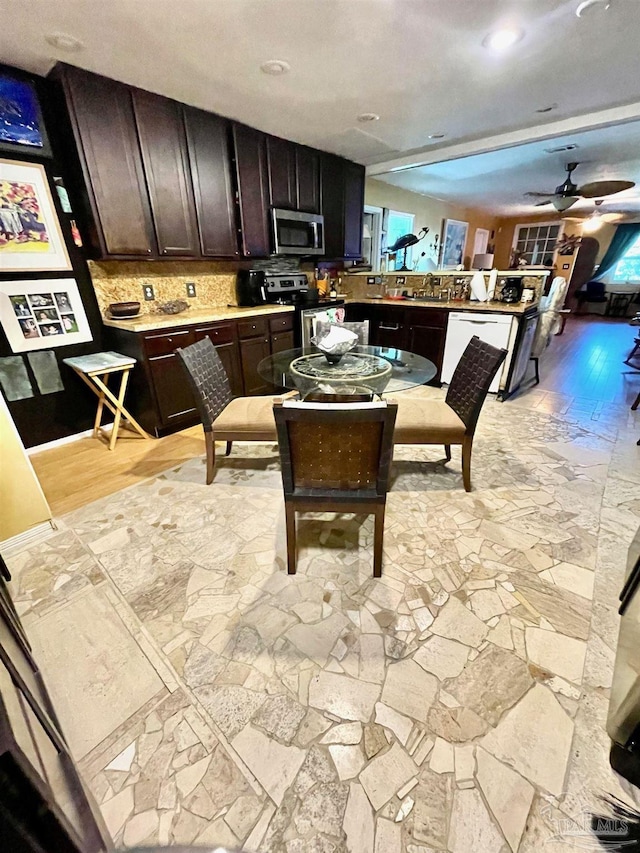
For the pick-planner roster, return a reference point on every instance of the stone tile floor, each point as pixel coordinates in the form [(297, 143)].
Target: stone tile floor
[(456, 704)]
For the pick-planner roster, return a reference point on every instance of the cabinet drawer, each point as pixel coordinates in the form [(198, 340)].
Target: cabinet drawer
[(219, 333), (253, 328), (164, 343), (281, 324), (426, 317)]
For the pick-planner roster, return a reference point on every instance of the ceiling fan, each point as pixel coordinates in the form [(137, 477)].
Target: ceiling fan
[(605, 215), (568, 193)]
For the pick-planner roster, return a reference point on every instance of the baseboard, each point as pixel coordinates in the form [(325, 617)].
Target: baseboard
[(29, 537), (59, 442)]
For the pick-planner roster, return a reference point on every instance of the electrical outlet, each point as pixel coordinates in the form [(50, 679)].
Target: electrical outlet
[(400, 279), (191, 288), (565, 266), (149, 295), (371, 279)]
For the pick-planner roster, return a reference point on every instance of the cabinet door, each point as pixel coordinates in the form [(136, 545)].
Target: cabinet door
[(428, 341), (210, 160), (224, 338), (282, 172), (166, 165), (307, 179), (281, 341), (332, 177), (252, 351), (390, 333), (253, 190), (172, 391), (353, 209), (104, 128)]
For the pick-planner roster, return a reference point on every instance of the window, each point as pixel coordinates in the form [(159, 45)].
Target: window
[(536, 243), (628, 268), (399, 224)]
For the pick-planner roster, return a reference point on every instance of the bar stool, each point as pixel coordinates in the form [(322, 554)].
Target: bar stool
[(94, 370)]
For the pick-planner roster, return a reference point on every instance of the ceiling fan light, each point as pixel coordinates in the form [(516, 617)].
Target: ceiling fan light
[(564, 202), (592, 223)]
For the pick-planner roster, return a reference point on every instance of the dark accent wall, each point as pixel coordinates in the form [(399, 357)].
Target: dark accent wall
[(46, 417)]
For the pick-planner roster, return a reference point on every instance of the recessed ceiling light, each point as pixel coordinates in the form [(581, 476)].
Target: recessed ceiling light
[(62, 41), (364, 117), (275, 67), (503, 38), (437, 135), (547, 109), (591, 5)]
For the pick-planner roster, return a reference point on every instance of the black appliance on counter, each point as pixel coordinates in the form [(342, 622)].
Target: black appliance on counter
[(511, 289), (623, 722), (258, 287), (250, 288)]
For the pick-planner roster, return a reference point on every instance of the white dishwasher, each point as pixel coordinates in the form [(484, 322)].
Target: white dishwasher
[(495, 329)]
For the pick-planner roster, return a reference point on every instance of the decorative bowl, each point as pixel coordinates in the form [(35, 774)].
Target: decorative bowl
[(175, 306), (334, 341), (124, 310)]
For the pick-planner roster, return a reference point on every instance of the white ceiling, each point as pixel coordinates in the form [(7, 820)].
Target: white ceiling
[(419, 64)]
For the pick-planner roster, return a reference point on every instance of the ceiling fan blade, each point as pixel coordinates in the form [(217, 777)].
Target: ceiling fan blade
[(595, 189), (540, 195), (542, 203)]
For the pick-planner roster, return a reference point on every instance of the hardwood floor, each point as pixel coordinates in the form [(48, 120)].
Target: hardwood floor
[(586, 361), (75, 474), (581, 371)]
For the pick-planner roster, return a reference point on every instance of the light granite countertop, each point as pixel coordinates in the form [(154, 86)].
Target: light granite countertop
[(449, 305), (151, 322)]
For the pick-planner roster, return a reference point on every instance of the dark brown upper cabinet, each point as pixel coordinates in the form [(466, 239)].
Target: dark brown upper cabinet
[(342, 206), (253, 190), (210, 159), (307, 179), (294, 175), (166, 165), (282, 172), (105, 134), (353, 186)]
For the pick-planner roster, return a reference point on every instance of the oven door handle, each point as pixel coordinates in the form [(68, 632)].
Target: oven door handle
[(316, 238)]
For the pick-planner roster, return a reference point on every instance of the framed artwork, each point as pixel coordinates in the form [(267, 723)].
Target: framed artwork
[(454, 237), (30, 235), (21, 124), (43, 314)]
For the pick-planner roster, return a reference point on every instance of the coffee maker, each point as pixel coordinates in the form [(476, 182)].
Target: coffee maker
[(511, 289), (250, 288)]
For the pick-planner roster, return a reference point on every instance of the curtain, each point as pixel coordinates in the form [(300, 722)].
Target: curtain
[(623, 239)]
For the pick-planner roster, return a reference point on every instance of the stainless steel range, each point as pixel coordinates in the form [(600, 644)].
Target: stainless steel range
[(293, 289)]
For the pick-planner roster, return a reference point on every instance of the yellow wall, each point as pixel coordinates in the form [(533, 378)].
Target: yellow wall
[(22, 502), (429, 212)]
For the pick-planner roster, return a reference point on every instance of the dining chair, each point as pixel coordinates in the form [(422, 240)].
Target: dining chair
[(452, 420), (335, 458), (549, 320), (224, 417)]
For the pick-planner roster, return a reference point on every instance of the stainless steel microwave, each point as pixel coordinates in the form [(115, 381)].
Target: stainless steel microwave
[(297, 233)]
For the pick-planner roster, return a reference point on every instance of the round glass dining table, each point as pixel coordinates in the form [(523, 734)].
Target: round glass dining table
[(363, 370)]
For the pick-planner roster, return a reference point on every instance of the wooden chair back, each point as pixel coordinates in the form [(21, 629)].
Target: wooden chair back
[(208, 379), (471, 379), (336, 451)]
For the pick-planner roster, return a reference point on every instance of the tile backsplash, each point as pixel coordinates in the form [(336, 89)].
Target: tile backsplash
[(123, 281)]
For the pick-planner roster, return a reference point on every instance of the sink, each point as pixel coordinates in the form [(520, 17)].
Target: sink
[(426, 299)]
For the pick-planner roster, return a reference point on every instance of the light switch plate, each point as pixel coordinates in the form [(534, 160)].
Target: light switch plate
[(371, 279), (191, 288), (149, 295), (565, 266), (400, 279)]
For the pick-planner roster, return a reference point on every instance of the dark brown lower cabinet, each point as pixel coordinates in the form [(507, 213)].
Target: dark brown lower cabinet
[(158, 395), (44, 806), (419, 330)]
